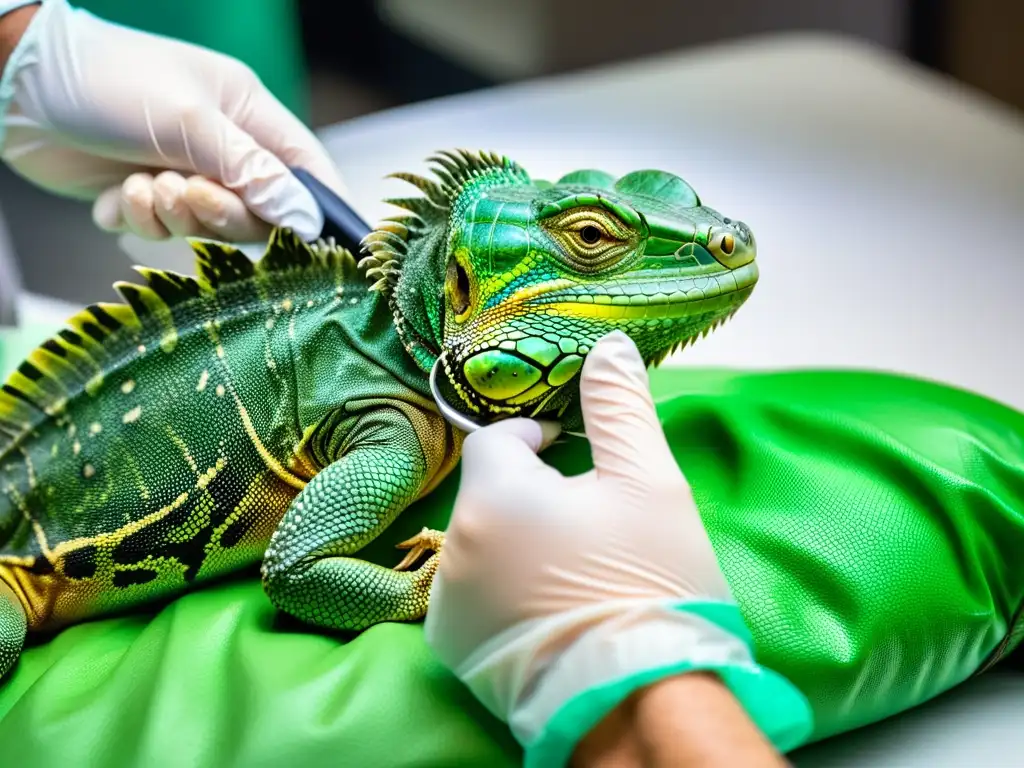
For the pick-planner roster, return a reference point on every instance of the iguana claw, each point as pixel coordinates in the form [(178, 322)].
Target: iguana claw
[(425, 541)]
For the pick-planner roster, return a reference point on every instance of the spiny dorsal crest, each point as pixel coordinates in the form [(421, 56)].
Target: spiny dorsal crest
[(104, 336), (387, 246)]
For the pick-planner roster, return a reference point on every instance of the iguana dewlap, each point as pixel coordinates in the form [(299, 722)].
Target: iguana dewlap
[(279, 412)]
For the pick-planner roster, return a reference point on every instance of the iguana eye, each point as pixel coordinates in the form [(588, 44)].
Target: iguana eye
[(590, 232), (591, 239)]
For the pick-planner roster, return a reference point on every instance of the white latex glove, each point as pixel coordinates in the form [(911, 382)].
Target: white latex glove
[(168, 138), (557, 597)]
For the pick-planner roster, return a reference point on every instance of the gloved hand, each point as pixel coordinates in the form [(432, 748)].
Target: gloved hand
[(168, 138), (557, 597)]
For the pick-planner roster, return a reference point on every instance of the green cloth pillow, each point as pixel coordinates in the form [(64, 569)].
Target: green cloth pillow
[(870, 526)]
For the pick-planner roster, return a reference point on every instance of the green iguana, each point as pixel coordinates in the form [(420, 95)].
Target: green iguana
[(280, 411)]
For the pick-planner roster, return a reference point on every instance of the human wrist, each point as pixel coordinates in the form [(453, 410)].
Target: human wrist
[(14, 20), (633, 647), (691, 719), (694, 719)]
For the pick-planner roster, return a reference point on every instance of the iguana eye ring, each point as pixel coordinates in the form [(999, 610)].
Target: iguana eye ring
[(590, 238), (727, 244)]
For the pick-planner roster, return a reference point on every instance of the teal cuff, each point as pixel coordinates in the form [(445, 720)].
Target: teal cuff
[(773, 703)]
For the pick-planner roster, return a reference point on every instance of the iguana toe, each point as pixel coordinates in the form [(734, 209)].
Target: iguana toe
[(425, 541)]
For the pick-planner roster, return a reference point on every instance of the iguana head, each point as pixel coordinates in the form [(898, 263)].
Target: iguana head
[(511, 281)]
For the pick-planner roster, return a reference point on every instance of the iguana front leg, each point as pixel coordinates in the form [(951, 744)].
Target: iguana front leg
[(12, 628), (307, 569)]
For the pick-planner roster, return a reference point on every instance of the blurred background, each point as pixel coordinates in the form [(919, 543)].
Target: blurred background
[(332, 61)]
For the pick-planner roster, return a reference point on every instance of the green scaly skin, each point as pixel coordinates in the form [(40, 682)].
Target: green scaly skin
[(281, 412)]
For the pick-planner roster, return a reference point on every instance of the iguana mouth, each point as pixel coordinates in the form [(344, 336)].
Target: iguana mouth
[(518, 357), (651, 296)]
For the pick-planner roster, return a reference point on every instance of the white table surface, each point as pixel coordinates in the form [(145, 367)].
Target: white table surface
[(887, 205)]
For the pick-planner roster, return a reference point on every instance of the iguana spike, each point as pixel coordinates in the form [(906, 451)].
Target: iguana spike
[(143, 300), (381, 238), (458, 163), (454, 170), (171, 287), (385, 267), (219, 264), (329, 255), (416, 206), (409, 220), (104, 337), (285, 251), (422, 207), (459, 169), (380, 249), (471, 159), (458, 159), (396, 228), (449, 183), (121, 314), (103, 318), (429, 188)]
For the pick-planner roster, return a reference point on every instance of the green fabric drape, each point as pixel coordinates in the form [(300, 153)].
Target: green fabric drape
[(870, 525), (265, 34)]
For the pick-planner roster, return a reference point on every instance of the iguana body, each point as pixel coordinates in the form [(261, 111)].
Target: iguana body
[(280, 412)]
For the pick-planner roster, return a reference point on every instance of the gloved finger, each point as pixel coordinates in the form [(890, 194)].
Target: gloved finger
[(137, 208), (275, 128), (507, 449), (626, 438), (106, 210), (223, 152), (222, 212), (172, 209), (70, 172)]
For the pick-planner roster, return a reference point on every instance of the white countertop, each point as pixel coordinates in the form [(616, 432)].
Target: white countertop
[(887, 205)]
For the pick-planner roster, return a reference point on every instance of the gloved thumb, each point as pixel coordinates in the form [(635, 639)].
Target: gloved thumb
[(505, 449), (222, 151), (626, 438)]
